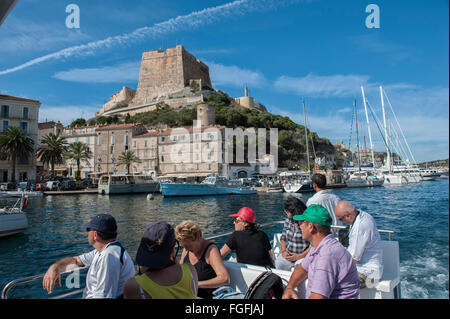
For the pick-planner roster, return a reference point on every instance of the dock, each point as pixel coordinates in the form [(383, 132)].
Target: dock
[(75, 192)]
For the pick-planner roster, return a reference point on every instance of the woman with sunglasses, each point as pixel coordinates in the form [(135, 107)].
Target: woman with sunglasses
[(252, 245), (204, 256)]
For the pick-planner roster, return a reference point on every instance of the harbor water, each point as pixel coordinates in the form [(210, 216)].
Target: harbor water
[(418, 213)]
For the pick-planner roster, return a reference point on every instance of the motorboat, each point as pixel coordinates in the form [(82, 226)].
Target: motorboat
[(363, 179), (243, 275), (429, 174), (19, 193), (127, 183), (296, 183), (213, 184), (12, 219)]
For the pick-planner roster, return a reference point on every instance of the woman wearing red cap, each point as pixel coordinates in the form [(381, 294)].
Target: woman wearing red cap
[(252, 246)]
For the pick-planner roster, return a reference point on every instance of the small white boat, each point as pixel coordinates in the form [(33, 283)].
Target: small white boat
[(13, 220)]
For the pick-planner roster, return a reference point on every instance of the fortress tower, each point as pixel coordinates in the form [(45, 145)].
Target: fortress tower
[(164, 72)]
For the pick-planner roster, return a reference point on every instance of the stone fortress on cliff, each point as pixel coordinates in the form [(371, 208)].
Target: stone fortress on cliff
[(173, 77)]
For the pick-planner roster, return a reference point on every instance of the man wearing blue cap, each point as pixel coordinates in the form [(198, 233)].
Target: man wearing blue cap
[(328, 266), (109, 263)]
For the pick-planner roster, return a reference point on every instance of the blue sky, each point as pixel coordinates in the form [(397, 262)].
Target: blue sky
[(283, 50)]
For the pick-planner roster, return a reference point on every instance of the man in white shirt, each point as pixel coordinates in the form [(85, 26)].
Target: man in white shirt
[(326, 199), (364, 242), (110, 265)]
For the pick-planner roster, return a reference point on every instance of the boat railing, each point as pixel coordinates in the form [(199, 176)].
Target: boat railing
[(29, 279)]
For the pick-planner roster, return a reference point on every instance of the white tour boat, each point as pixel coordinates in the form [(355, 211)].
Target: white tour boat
[(243, 275), (127, 183)]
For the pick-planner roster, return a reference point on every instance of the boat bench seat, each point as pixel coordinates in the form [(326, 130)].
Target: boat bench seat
[(242, 276), (391, 268), (391, 271)]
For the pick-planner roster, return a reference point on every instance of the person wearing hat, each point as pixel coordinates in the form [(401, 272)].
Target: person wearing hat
[(160, 276), (110, 265), (252, 246), (328, 266)]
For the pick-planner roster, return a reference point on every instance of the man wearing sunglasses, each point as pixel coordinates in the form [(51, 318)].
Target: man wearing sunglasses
[(328, 265), (364, 242), (109, 263)]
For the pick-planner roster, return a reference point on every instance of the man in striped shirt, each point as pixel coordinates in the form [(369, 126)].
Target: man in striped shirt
[(293, 247)]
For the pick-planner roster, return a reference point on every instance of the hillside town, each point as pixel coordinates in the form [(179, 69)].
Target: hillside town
[(114, 141)]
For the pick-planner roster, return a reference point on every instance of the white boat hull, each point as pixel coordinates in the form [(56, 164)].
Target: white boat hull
[(12, 223)]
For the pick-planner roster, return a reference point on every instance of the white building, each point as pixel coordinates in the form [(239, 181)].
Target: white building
[(23, 113)]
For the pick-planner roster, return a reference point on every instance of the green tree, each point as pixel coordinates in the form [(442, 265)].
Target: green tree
[(78, 151), (127, 158), (17, 145), (78, 122), (51, 150)]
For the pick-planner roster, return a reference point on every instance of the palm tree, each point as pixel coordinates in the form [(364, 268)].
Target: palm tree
[(16, 144), (78, 151), (51, 150), (127, 158)]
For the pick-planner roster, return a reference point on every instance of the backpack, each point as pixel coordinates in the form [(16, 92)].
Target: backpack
[(266, 286)]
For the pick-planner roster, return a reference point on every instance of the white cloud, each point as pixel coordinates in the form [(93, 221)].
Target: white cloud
[(312, 85), (231, 75), (190, 21), (66, 113), (121, 73)]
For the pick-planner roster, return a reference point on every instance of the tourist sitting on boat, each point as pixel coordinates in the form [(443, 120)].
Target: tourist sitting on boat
[(160, 276), (204, 256), (110, 265), (252, 245), (364, 242), (328, 266), (293, 247), (327, 199)]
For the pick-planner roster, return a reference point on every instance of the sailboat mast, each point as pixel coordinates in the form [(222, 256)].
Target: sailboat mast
[(388, 153), (368, 126), (306, 138), (357, 137)]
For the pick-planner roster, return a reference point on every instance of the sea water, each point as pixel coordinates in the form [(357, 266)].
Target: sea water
[(418, 213)]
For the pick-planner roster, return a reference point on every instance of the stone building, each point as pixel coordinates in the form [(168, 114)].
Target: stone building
[(145, 146), (44, 129), (120, 99), (193, 152), (249, 102), (111, 142), (173, 77), (169, 71), (87, 135), (23, 113)]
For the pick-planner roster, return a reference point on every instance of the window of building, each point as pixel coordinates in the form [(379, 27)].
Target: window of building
[(134, 143), (88, 140), (145, 143), (5, 125), (145, 153), (25, 113), (174, 168), (24, 126), (126, 139), (196, 167), (162, 158), (5, 111), (209, 166), (99, 140), (112, 140)]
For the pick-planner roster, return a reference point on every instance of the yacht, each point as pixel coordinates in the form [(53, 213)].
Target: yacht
[(363, 179), (12, 219)]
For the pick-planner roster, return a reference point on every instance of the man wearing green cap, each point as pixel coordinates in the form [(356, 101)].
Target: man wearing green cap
[(328, 266)]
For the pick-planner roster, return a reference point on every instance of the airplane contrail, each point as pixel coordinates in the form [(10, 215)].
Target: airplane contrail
[(190, 21)]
